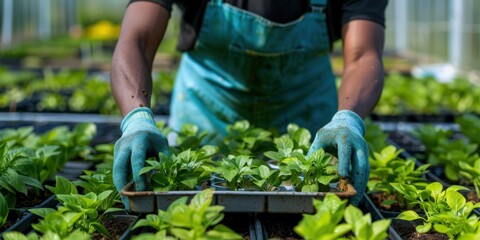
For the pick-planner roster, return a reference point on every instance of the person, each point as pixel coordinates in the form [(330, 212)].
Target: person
[(266, 61)]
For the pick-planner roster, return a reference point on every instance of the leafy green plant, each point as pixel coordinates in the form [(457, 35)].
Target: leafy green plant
[(300, 136), (180, 172), (190, 137), (375, 137), (311, 173), (99, 182), (446, 211), (237, 172), (327, 222), (470, 127), (47, 162), (387, 167), (15, 171), (471, 172), (244, 139), (195, 221)]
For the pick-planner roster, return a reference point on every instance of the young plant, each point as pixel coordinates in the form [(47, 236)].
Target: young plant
[(446, 211), (300, 136), (311, 173), (99, 182), (375, 137), (386, 167), (47, 162), (327, 222), (189, 137), (470, 127), (189, 222), (180, 172), (15, 171), (87, 206), (237, 172), (471, 172), (244, 139)]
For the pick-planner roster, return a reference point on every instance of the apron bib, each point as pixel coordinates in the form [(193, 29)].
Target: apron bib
[(245, 67)]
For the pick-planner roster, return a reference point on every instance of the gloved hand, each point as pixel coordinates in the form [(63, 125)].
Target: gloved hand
[(140, 139), (344, 134)]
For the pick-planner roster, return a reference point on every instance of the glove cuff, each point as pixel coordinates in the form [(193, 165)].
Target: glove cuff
[(352, 119), (143, 114)]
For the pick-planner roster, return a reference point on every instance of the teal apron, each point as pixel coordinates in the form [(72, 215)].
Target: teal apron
[(247, 67)]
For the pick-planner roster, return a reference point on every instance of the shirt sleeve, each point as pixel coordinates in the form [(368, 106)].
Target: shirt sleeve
[(167, 4), (372, 10)]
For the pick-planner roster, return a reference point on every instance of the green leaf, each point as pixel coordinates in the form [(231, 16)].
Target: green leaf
[(424, 228), (101, 229), (42, 212), (409, 215), (63, 186), (455, 200), (310, 188)]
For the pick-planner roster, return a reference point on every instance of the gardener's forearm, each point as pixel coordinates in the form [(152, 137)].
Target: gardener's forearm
[(131, 77), (143, 27), (363, 74)]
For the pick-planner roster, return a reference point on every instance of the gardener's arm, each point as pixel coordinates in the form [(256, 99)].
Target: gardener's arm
[(143, 26), (363, 73), (360, 89)]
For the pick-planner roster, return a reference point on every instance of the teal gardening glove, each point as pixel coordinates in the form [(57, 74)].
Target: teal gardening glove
[(140, 139), (345, 133)]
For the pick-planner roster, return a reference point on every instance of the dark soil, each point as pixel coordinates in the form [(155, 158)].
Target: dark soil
[(32, 198), (13, 217), (472, 196), (379, 197), (239, 223), (116, 226), (406, 230), (280, 226)]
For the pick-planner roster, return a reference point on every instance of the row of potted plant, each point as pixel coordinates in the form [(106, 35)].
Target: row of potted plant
[(399, 188), (69, 91)]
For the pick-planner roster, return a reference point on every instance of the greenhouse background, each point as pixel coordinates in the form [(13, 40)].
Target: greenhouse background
[(428, 31), (59, 124)]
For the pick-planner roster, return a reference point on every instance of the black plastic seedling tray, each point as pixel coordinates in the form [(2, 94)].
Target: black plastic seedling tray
[(235, 201)]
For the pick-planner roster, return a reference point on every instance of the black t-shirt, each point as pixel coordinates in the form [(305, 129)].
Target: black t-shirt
[(338, 13)]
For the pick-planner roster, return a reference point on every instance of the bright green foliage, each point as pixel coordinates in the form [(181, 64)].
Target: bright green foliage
[(449, 153), (73, 144), (98, 182), (3, 210), (403, 94), (472, 173), (85, 208), (49, 235), (20, 137), (333, 220), (431, 135), (266, 178), (307, 174), (62, 186), (375, 137), (311, 173), (180, 172), (189, 222), (15, 169), (237, 172), (300, 136), (285, 148), (386, 168), (189, 137), (362, 226), (470, 127), (47, 161), (446, 211), (244, 139)]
